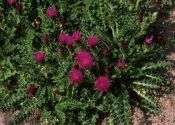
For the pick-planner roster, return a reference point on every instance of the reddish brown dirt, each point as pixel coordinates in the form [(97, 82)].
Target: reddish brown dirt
[(166, 116)]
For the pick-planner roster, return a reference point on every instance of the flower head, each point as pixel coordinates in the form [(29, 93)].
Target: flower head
[(92, 41), (69, 41), (19, 7), (46, 37), (84, 59), (20, 28), (62, 37), (102, 83), (61, 23), (159, 39), (149, 39), (76, 36), (61, 50), (10, 2), (39, 56), (105, 52), (75, 76), (121, 64), (8, 86), (122, 45), (107, 69), (31, 90), (51, 12)]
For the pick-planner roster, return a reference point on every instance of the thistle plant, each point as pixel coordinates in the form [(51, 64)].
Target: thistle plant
[(79, 61)]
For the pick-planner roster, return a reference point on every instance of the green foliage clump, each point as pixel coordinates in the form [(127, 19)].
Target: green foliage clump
[(121, 27)]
